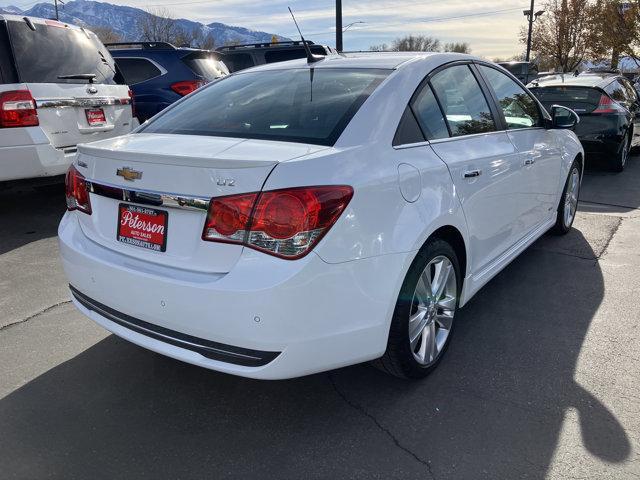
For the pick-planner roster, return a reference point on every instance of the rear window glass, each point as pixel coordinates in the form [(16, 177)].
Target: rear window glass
[(237, 61), (49, 51), (302, 105), (282, 55), (136, 70), (580, 99), (206, 65)]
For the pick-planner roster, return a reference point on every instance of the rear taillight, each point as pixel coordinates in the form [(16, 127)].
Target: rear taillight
[(77, 192), (18, 109), (186, 86), (286, 223), (608, 105)]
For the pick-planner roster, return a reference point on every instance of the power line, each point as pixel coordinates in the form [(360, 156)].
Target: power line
[(427, 20)]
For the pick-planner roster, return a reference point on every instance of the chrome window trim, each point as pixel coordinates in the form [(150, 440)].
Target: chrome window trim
[(81, 102), (150, 197), (411, 145), (463, 137)]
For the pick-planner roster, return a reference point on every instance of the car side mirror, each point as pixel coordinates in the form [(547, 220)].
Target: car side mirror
[(563, 117)]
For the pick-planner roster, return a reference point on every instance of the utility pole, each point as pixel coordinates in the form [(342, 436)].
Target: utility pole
[(56, 4), (339, 25), (530, 31)]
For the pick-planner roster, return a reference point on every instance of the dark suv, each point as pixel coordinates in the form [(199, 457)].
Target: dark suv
[(159, 73), (608, 108), (239, 57)]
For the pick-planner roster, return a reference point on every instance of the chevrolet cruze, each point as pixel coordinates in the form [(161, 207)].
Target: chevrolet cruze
[(299, 217)]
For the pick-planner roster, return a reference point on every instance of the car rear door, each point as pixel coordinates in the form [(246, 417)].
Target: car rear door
[(73, 80), (481, 159), (538, 152)]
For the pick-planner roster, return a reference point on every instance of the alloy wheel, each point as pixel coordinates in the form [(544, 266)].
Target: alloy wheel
[(571, 197), (432, 310)]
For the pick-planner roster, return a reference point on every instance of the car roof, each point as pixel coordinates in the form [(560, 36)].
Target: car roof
[(381, 60), (40, 21), (588, 79)]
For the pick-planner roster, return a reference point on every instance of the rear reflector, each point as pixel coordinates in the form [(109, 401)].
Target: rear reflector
[(76, 190), (18, 109), (608, 105), (286, 223), (186, 86)]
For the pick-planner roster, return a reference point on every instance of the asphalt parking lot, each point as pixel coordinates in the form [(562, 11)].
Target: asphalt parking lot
[(542, 379)]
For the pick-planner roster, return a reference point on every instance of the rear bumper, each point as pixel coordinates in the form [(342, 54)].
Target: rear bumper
[(19, 162), (292, 318)]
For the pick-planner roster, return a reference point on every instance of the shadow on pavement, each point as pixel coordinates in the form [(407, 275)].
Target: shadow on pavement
[(29, 214), (606, 191), (494, 408)]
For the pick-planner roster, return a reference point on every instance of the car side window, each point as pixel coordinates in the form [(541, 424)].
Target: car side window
[(408, 130), (519, 109), (632, 95), (465, 107), (617, 92), (428, 113), (136, 70)]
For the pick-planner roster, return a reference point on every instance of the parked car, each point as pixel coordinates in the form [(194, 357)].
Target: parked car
[(159, 73), (608, 108), (523, 71), (239, 57), (58, 88), (301, 217)]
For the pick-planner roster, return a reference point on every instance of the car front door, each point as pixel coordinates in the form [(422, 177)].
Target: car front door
[(539, 155), (461, 125)]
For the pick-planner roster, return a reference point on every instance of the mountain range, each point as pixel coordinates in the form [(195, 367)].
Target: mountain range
[(124, 21)]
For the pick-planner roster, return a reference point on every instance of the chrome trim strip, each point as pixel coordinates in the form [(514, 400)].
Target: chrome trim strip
[(80, 102), (149, 197)]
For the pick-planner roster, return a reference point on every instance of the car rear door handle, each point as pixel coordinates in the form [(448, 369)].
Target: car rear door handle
[(529, 161), (472, 173)]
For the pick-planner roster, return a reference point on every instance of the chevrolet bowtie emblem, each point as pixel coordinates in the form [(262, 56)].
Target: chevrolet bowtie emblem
[(129, 174)]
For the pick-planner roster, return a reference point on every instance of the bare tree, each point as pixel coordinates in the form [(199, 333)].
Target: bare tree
[(562, 33), (157, 25), (106, 34), (457, 47), (200, 40), (383, 47), (415, 43), (409, 43)]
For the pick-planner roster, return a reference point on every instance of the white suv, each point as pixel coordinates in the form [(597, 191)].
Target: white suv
[(58, 87)]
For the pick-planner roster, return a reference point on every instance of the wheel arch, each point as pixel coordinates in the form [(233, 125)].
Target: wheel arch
[(453, 237)]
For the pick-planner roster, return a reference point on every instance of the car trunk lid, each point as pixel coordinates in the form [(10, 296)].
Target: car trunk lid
[(79, 113), (175, 175)]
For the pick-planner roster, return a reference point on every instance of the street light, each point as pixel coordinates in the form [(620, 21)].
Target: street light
[(531, 18), (348, 26)]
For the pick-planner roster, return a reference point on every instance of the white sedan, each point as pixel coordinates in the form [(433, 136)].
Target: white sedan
[(299, 217)]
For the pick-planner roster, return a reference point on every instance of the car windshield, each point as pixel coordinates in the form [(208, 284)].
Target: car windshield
[(302, 105), (52, 50)]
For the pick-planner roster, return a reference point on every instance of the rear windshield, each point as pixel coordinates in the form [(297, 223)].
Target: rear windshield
[(580, 99), (206, 65), (302, 105), (237, 61), (49, 51)]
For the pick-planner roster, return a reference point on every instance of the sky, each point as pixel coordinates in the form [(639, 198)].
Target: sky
[(491, 27)]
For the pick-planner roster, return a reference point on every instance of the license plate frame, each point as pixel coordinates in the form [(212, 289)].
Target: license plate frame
[(131, 227), (95, 117)]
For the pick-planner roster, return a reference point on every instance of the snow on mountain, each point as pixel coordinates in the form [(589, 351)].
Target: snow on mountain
[(123, 20)]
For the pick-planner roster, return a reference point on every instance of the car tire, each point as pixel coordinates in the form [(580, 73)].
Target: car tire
[(425, 312), (568, 206), (622, 155)]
